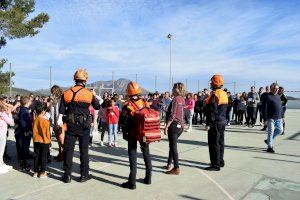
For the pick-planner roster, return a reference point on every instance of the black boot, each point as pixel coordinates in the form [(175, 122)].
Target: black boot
[(212, 168), (128, 186), (84, 178), (66, 178), (147, 180)]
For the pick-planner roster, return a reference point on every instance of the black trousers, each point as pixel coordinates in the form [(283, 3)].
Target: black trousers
[(41, 156), (216, 144), (251, 113), (132, 153), (174, 133), (23, 143), (73, 133)]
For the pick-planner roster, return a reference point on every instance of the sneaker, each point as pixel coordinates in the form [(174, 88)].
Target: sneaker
[(174, 171), (43, 175), (110, 145), (116, 145), (270, 150), (101, 144), (3, 171), (35, 175), (7, 167), (189, 130)]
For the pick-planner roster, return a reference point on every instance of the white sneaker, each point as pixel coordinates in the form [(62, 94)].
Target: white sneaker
[(7, 167), (3, 171), (189, 130), (101, 144)]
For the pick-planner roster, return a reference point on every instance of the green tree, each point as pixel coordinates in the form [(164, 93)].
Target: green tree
[(15, 23)]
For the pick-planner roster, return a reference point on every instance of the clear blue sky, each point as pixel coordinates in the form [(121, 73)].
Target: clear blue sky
[(245, 40)]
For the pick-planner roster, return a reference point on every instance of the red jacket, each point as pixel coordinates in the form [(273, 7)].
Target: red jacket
[(113, 115)]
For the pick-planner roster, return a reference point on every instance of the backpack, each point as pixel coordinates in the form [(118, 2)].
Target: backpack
[(147, 123)]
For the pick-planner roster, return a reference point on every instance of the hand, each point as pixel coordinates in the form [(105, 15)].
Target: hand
[(207, 128), (166, 131)]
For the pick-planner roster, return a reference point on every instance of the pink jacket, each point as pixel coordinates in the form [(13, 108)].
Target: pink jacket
[(5, 120), (190, 103)]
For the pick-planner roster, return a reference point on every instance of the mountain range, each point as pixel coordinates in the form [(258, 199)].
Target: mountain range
[(100, 87)]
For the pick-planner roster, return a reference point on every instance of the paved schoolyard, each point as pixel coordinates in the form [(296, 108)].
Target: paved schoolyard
[(250, 172)]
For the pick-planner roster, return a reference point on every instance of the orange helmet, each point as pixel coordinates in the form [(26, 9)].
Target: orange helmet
[(217, 80), (133, 89), (81, 75)]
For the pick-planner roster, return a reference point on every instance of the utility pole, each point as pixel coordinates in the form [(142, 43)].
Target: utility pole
[(113, 81), (169, 36), (50, 77), (155, 83), (136, 77), (10, 81)]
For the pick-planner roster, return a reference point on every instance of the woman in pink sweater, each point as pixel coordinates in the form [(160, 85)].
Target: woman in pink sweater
[(190, 105), (5, 119)]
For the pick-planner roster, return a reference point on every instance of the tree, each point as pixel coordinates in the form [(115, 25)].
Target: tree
[(14, 23)]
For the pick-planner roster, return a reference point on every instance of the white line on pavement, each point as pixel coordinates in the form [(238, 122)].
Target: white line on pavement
[(54, 184), (217, 184)]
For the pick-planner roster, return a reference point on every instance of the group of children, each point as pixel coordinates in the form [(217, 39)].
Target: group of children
[(32, 121), (108, 121)]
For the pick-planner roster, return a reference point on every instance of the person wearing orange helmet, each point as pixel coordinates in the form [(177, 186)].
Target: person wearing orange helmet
[(74, 106), (217, 103), (128, 124)]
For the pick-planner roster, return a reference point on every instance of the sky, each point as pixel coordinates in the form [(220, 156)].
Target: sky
[(249, 42)]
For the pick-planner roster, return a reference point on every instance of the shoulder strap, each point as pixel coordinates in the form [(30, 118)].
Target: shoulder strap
[(74, 93)]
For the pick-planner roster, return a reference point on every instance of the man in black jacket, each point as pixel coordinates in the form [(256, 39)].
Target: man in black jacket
[(272, 112)]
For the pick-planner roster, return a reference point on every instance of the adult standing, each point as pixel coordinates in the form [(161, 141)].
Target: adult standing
[(57, 123), (263, 99), (217, 104), (284, 101), (174, 126), (252, 101), (75, 106), (134, 103), (273, 114), (166, 102)]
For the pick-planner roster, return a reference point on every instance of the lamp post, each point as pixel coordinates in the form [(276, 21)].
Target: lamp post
[(169, 37)]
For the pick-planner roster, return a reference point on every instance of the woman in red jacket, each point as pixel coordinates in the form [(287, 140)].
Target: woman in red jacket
[(113, 119)]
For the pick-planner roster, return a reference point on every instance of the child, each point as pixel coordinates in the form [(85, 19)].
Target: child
[(94, 114), (41, 140), (24, 132), (242, 109), (113, 119), (5, 119), (103, 120)]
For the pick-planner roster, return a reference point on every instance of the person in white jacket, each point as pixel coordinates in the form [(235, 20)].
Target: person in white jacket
[(5, 119)]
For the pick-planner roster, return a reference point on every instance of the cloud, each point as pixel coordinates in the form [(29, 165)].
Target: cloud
[(245, 41)]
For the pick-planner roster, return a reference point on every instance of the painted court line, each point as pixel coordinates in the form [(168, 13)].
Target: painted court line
[(54, 184), (212, 180), (217, 184)]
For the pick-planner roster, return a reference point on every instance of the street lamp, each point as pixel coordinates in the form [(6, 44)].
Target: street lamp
[(169, 36)]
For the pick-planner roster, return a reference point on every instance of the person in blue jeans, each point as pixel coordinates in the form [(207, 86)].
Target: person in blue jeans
[(272, 112)]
